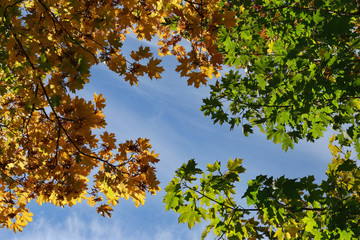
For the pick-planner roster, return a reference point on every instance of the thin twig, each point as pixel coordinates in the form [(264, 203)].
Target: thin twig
[(52, 16)]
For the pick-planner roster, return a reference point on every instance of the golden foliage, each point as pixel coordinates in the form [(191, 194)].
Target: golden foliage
[(48, 147)]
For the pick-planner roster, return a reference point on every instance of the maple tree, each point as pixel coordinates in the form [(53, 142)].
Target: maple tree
[(52, 141), (301, 61)]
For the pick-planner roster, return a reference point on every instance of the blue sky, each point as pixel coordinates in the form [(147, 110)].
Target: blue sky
[(167, 112)]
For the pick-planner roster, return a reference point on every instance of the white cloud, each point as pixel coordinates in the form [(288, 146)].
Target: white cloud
[(78, 226)]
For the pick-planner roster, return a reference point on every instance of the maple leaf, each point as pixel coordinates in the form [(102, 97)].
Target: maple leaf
[(138, 199), (144, 31), (153, 69), (27, 216), (104, 210), (117, 63), (196, 79), (209, 71), (91, 201), (270, 46), (141, 53), (229, 19), (111, 196), (131, 79), (184, 66), (109, 140), (99, 101), (18, 226)]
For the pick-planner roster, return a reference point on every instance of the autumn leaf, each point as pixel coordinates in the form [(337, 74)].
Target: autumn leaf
[(141, 53), (270, 47), (184, 66), (196, 79), (99, 101), (153, 69), (104, 210)]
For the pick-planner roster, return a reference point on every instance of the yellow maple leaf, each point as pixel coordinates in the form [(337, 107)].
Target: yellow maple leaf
[(40, 199), (27, 216), (17, 226), (138, 199), (270, 46), (91, 201), (99, 101), (279, 234), (111, 196), (242, 8)]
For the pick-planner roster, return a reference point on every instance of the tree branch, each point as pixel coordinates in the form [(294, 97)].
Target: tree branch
[(312, 9), (53, 110), (52, 16)]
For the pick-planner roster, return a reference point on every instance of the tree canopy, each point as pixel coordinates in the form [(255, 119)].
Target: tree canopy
[(51, 140), (300, 59), (299, 79)]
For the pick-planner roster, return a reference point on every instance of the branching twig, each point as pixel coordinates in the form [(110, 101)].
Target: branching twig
[(195, 8), (52, 16), (53, 110), (311, 9)]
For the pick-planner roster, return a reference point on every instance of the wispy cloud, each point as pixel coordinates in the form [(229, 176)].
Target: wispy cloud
[(78, 226)]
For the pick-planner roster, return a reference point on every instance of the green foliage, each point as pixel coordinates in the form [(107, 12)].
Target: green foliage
[(285, 208), (301, 61)]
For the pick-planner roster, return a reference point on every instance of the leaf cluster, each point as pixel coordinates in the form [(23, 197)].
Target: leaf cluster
[(48, 145), (277, 208), (300, 60)]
